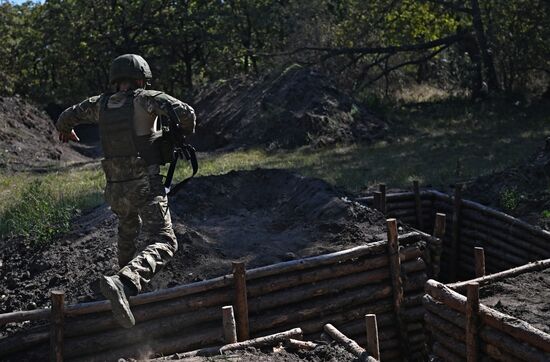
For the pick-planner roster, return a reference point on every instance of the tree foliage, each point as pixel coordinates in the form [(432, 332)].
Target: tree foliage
[(60, 51)]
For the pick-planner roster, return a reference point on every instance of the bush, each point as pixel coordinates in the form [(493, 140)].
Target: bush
[(38, 216)]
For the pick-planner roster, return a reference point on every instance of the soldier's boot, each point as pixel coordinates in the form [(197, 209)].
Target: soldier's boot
[(114, 289)]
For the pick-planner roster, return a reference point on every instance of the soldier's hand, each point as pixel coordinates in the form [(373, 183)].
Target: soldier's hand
[(68, 136)]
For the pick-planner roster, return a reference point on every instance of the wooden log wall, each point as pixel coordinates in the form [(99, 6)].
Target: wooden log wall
[(338, 288), (458, 332), (507, 242)]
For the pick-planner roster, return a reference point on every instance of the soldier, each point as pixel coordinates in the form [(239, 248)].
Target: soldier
[(127, 121)]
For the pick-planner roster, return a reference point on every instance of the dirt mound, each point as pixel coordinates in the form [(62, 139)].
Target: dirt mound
[(526, 297), (260, 216), (521, 191), (28, 137), (298, 107)]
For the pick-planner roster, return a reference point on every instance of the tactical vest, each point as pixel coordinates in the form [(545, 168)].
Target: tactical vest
[(119, 140)]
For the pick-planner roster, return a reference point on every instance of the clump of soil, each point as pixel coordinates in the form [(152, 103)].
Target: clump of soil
[(322, 353), (28, 138), (295, 108), (526, 297), (521, 191), (260, 216)]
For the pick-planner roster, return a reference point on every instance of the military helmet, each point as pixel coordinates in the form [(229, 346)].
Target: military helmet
[(129, 66)]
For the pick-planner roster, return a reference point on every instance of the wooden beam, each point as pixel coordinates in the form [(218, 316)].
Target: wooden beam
[(241, 300), (472, 323), (57, 324), (373, 347), (229, 324), (479, 256)]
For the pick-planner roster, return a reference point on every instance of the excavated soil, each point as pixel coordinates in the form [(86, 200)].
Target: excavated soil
[(28, 139), (261, 217), (521, 191), (295, 108), (526, 297), (322, 353)]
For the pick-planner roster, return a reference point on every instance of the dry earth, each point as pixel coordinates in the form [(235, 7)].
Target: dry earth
[(526, 296), (295, 108), (260, 216), (521, 191), (28, 139)]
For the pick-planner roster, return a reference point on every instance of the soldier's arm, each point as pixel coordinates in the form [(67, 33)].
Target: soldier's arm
[(83, 112), (159, 103)]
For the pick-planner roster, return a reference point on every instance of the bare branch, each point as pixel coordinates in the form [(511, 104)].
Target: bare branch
[(332, 52)]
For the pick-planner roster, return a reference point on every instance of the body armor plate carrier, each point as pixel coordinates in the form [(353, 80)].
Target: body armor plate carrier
[(126, 154)]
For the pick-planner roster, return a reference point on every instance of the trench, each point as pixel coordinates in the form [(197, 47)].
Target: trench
[(338, 288)]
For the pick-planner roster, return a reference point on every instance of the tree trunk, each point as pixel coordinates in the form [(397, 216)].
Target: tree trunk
[(489, 69)]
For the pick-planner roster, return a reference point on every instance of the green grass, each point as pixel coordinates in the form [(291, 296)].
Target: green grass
[(39, 207), (438, 143)]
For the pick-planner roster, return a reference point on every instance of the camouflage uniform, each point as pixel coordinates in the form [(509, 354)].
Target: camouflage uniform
[(134, 189)]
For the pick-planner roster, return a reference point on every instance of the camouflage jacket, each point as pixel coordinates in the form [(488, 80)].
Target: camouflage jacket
[(148, 104)]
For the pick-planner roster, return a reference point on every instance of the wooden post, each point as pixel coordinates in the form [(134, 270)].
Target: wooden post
[(56, 326), (472, 321), (229, 325), (241, 302), (397, 284), (479, 255), (383, 204), (418, 204), (373, 347), (455, 244), (376, 200), (437, 248)]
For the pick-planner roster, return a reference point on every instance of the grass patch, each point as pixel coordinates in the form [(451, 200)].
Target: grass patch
[(439, 143), (39, 207)]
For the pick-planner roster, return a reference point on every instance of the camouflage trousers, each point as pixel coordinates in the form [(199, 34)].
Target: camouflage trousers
[(142, 207)]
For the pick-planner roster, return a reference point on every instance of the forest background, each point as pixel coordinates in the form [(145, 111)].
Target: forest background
[(59, 51)]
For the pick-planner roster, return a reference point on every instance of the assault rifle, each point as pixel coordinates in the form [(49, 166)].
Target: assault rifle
[(177, 148)]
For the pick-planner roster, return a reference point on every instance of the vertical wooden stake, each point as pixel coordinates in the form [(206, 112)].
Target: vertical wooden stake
[(397, 284), (455, 246), (383, 203), (418, 204), (56, 326), (373, 347), (229, 325), (241, 302), (472, 322), (437, 248), (377, 199), (479, 255)]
